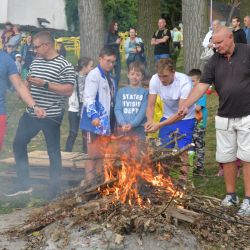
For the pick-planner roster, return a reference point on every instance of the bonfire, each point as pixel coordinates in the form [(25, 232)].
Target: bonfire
[(139, 196)]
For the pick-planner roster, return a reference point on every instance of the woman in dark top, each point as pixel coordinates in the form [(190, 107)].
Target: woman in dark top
[(113, 40), (28, 55)]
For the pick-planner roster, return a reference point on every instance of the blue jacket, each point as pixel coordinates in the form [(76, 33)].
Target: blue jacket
[(97, 102)]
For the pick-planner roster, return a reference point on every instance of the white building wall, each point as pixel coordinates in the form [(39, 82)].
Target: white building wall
[(3, 10), (26, 12)]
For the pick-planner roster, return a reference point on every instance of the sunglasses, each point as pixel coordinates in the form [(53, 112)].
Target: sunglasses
[(38, 46)]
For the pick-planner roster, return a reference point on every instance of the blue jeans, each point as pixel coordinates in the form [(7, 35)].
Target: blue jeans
[(158, 57), (28, 128)]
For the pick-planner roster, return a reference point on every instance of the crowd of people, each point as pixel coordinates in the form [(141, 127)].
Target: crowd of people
[(167, 102)]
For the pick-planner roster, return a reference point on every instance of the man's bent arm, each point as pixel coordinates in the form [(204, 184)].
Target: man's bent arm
[(163, 40), (153, 41), (65, 89), (197, 92)]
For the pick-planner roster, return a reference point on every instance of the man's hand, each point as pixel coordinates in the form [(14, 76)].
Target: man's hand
[(138, 48), (96, 122), (182, 111), (35, 81), (152, 127), (40, 112)]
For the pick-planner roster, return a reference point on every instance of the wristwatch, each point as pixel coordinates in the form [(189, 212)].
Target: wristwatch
[(32, 109), (34, 106), (46, 85)]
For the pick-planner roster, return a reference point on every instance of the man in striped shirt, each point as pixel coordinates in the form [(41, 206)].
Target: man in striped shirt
[(51, 79)]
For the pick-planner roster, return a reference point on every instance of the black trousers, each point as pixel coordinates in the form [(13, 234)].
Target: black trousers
[(74, 121), (28, 128)]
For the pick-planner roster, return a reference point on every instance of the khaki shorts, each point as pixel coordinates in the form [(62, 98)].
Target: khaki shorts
[(233, 139)]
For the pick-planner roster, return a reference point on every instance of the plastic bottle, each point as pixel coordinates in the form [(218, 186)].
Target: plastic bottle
[(191, 156)]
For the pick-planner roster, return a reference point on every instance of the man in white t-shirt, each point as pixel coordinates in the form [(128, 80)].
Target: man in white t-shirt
[(207, 42), (173, 88)]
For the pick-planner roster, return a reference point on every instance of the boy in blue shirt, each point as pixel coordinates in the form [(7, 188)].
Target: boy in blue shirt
[(200, 125), (131, 102)]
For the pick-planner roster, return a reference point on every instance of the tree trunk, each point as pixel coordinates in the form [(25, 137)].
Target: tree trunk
[(148, 15), (244, 10), (91, 19), (234, 6), (195, 27)]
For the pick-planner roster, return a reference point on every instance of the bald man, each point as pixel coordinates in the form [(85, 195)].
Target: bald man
[(207, 40), (160, 40), (229, 70)]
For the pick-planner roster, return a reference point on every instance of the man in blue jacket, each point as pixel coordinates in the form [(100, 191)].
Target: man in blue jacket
[(98, 117)]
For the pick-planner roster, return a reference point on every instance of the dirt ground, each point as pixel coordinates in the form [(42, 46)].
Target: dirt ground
[(93, 237), (8, 221)]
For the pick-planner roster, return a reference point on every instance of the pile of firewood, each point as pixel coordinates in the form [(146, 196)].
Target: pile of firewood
[(202, 215)]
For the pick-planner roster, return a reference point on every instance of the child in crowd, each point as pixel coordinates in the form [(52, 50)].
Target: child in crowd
[(200, 125), (131, 103), (18, 63), (98, 118), (85, 64)]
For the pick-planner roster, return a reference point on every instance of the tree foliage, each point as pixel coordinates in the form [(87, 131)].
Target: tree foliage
[(244, 8), (123, 11), (71, 11), (171, 11)]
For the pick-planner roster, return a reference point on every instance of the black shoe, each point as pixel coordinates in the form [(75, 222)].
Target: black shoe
[(19, 191)]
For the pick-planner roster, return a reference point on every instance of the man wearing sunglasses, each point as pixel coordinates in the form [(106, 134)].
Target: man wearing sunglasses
[(51, 78)]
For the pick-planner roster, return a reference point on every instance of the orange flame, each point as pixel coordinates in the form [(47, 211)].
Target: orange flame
[(136, 167)]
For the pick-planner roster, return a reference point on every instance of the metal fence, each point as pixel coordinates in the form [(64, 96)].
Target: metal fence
[(72, 44)]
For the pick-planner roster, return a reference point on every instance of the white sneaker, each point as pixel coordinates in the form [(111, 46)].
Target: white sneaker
[(19, 192), (228, 201), (244, 208)]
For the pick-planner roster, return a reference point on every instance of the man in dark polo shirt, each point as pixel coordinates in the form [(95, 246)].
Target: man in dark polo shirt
[(229, 70), (160, 40)]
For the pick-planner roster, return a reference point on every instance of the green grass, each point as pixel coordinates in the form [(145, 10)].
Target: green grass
[(208, 185)]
